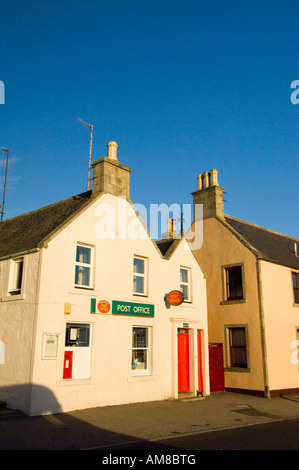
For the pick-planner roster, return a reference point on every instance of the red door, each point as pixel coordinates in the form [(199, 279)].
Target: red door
[(216, 367), (199, 360), (183, 360)]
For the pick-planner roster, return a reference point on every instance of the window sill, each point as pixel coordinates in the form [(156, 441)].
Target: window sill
[(70, 382), (141, 378), (237, 369), (9, 298), (230, 302), (295, 305)]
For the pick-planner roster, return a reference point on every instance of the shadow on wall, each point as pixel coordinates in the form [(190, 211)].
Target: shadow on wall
[(32, 399)]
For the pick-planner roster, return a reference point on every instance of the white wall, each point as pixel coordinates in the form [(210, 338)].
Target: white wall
[(111, 380)]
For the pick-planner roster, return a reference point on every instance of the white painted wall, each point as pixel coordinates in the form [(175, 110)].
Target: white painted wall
[(111, 379)]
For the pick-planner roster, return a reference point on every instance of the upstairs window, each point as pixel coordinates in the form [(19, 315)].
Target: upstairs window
[(234, 283), (185, 283), (17, 277), (139, 275), (83, 267), (295, 277)]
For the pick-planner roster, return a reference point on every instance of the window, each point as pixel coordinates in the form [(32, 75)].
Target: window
[(185, 283), (295, 277), (77, 335), (140, 349), (237, 347), (83, 269), (17, 276), (234, 283), (139, 276)]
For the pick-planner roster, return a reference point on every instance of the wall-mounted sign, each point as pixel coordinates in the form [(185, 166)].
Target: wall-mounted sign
[(103, 306), (50, 345), (175, 297), (132, 308)]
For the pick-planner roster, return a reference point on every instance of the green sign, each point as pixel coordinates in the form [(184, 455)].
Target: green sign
[(132, 308)]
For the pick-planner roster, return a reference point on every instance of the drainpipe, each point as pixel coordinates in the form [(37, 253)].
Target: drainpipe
[(262, 327)]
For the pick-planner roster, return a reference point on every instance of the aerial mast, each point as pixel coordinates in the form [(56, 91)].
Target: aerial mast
[(90, 127), (6, 151)]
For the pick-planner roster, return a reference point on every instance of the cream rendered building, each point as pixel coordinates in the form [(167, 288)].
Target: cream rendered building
[(85, 317), (253, 300)]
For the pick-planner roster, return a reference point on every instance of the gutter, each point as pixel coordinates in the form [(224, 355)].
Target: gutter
[(20, 253), (262, 329)]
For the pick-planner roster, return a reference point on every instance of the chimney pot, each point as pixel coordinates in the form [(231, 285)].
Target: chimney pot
[(112, 150)]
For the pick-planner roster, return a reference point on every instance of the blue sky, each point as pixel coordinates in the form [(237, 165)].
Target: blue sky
[(183, 86)]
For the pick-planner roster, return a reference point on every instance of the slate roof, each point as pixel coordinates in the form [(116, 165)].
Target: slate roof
[(25, 232), (267, 244)]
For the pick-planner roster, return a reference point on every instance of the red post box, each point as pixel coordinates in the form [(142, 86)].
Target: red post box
[(68, 364)]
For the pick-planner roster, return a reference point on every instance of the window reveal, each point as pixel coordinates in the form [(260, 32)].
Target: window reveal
[(237, 347), (17, 277), (139, 276), (83, 266), (140, 349), (185, 285), (295, 277), (234, 283)]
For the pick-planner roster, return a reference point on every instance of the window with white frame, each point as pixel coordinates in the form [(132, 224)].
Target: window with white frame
[(83, 266), (185, 283), (17, 276), (139, 276), (140, 349)]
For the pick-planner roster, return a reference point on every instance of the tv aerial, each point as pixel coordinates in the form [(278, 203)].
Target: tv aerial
[(90, 127)]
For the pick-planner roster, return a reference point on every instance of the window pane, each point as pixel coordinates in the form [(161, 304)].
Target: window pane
[(139, 359), (83, 254), (185, 290), (139, 337), (82, 276), (234, 283), (138, 284), (184, 275), (18, 274), (238, 337), (138, 266)]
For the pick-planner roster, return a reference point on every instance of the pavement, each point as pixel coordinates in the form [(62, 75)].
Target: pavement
[(105, 428)]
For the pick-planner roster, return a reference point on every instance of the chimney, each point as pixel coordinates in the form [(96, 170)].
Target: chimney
[(171, 233), (111, 176), (209, 194)]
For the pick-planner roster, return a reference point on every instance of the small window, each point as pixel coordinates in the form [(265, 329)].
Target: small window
[(83, 268), (140, 349), (237, 347), (77, 335), (234, 283), (16, 285), (185, 283), (295, 277), (139, 276)]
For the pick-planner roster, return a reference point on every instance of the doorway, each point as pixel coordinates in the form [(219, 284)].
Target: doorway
[(183, 360)]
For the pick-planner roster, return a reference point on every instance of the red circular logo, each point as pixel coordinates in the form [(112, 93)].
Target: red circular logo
[(175, 297), (103, 306)]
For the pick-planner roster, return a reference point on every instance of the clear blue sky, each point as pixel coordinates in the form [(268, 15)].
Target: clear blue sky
[(183, 86)]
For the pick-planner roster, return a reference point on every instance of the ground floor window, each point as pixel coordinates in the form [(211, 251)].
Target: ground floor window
[(140, 349), (237, 354)]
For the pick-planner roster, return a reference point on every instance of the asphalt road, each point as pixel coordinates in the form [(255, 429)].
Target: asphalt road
[(279, 435)]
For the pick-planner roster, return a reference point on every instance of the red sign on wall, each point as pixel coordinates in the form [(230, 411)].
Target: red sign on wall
[(103, 306), (175, 297)]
